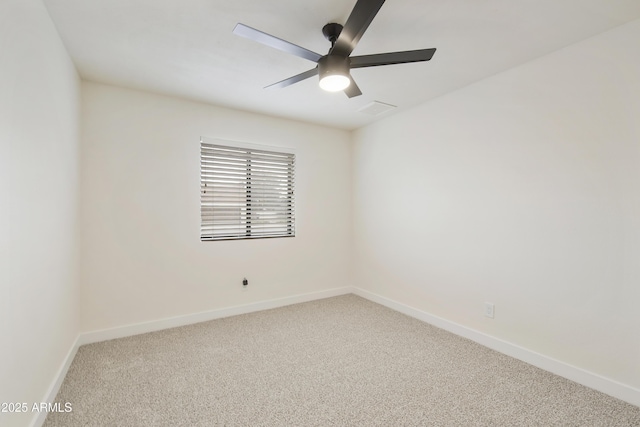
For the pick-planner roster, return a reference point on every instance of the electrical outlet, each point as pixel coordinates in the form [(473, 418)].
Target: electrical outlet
[(489, 309)]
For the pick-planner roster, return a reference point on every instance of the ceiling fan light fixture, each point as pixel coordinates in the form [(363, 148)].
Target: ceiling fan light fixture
[(334, 73), (334, 83)]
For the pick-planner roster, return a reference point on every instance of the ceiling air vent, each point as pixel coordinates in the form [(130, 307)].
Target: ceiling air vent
[(374, 108)]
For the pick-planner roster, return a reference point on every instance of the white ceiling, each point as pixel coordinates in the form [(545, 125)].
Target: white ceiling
[(186, 48)]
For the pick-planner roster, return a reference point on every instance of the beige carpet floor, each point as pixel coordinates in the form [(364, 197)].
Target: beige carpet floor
[(341, 361)]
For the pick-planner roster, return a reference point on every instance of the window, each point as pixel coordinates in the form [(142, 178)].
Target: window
[(246, 193)]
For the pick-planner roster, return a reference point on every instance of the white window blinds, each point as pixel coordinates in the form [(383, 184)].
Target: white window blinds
[(245, 193)]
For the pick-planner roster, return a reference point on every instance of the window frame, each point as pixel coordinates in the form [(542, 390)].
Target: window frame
[(250, 214)]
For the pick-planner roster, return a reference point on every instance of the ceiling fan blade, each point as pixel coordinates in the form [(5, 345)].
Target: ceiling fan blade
[(295, 79), (361, 16), (274, 42), (353, 89), (392, 58)]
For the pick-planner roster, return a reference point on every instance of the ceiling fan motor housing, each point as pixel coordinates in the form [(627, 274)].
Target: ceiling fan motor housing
[(331, 65)]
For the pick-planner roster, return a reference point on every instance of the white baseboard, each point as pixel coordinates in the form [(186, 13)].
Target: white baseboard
[(52, 392), (589, 379), (189, 319)]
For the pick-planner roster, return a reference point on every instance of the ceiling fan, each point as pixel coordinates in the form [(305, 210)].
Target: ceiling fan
[(333, 68)]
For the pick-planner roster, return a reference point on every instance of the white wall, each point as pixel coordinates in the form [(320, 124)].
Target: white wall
[(522, 190), (39, 101), (142, 259)]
